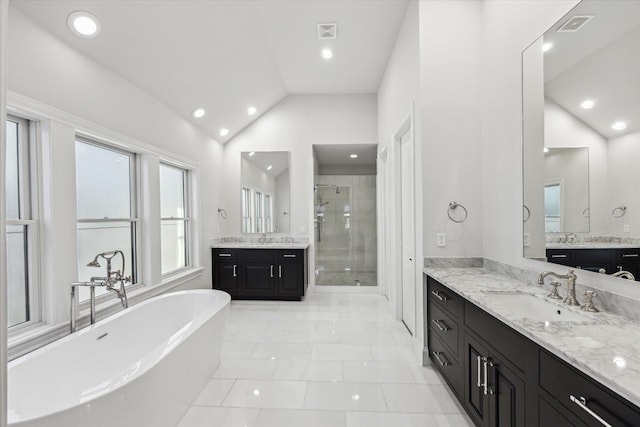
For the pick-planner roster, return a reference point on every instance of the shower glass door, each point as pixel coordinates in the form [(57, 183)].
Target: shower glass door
[(345, 229)]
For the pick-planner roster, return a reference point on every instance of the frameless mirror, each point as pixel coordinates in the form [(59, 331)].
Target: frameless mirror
[(581, 104), (264, 192)]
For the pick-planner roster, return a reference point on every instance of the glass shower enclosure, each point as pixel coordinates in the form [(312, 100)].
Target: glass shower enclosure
[(345, 231)]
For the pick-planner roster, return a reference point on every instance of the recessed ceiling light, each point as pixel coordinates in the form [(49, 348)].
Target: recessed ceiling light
[(251, 110), (252, 153), (619, 126), (588, 104), (83, 24), (224, 132), (327, 53), (198, 113), (353, 156), (269, 167), (546, 47)]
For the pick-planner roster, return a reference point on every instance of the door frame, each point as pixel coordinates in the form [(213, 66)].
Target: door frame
[(395, 219)]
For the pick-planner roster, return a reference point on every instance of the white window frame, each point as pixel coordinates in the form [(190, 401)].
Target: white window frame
[(186, 191), (134, 219), (29, 202), (267, 211), (558, 182), (258, 209), (247, 219)]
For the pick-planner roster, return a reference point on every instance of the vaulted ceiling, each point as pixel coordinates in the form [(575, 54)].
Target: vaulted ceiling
[(225, 56)]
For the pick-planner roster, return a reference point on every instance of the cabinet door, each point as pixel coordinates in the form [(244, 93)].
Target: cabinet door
[(475, 399), (290, 279), (258, 279), (226, 277), (507, 401)]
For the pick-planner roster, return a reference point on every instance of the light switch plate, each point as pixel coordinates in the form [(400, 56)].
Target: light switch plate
[(527, 239), (626, 228), (441, 239)]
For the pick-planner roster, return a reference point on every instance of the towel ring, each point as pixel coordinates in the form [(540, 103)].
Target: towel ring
[(453, 206), (526, 213), (222, 213), (586, 213), (621, 210)]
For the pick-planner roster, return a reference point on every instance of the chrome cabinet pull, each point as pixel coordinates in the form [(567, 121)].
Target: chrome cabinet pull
[(279, 271), (437, 354), (288, 256), (441, 326), (582, 403), (630, 255), (479, 358), (440, 297), (271, 270), (235, 270), (558, 256), (487, 364), (224, 255)]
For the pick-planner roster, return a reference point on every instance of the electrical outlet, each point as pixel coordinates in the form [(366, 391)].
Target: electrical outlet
[(441, 239), (527, 239), (626, 228)]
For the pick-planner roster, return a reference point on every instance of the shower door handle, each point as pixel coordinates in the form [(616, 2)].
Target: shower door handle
[(271, 270)]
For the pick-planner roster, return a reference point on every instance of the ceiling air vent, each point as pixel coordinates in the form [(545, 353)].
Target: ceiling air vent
[(327, 31), (574, 23)]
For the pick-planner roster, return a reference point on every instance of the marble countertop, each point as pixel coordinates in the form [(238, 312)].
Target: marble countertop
[(252, 245), (605, 346)]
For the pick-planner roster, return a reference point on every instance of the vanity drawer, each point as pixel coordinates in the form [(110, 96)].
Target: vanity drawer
[(502, 338), (446, 363), (444, 327), (290, 255), (222, 254), (444, 297), (264, 255), (563, 381)]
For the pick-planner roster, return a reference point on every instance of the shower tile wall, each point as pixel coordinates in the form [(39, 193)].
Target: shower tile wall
[(346, 247)]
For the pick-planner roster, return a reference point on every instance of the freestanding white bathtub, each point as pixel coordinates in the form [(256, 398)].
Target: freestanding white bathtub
[(141, 367)]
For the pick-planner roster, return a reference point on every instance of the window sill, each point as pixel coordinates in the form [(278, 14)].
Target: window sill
[(41, 334)]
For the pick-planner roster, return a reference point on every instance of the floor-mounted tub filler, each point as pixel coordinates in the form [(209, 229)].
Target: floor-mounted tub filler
[(140, 367)]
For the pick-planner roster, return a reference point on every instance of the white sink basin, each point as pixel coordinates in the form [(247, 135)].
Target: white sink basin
[(526, 306)]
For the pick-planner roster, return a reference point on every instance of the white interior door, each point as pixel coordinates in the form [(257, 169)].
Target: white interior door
[(408, 232)]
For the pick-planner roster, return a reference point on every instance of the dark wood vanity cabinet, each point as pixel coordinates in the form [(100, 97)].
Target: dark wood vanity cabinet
[(503, 378), (591, 259), (260, 273)]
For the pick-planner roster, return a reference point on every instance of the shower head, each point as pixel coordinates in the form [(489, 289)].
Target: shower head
[(94, 263), (325, 203)]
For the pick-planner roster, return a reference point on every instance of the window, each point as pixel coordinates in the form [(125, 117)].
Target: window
[(257, 210), (174, 222), (268, 208), (106, 208), (246, 210), (552, 203), (22, 227)]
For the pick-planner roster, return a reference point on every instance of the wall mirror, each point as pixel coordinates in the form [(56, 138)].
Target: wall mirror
[(581, 133), (264, 192)]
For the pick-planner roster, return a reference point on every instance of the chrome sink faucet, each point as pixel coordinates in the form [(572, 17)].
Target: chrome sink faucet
[(571, 284)]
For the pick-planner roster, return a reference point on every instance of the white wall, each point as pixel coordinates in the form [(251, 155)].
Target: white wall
[(295, 125), (48, 79), (623, 153), (451, 110)]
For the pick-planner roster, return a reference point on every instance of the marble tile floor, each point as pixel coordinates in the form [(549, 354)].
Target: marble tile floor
[(332, 360)]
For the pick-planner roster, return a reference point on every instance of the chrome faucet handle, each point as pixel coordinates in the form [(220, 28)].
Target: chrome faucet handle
[(588, 304), (554, 292)]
